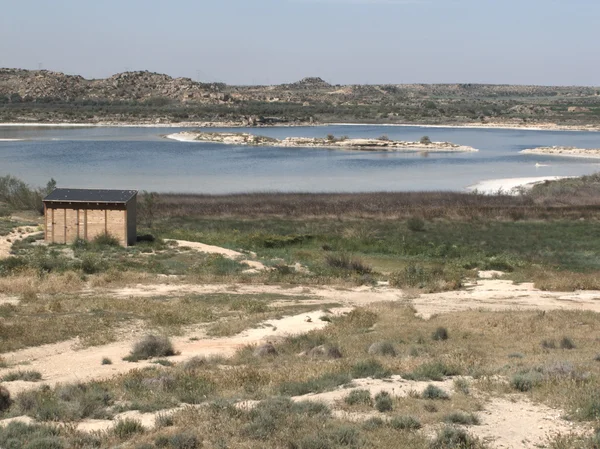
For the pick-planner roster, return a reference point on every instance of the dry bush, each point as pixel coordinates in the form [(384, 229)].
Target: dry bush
[(151, 346)]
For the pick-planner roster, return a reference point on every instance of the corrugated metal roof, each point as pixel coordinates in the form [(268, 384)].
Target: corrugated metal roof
[(91, 195)]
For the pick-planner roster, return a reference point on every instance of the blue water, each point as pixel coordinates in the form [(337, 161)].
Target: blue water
[(138, 158)]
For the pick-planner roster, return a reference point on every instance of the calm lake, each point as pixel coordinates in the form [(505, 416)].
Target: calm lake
[(138, 158)]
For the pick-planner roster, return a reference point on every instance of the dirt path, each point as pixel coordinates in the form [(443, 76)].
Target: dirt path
[(229, 253), (6, 241), (64, 362)]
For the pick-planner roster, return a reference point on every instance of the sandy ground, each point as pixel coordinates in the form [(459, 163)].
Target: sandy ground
[(6, 241), (67, 362), (510, 186), (565, 152), (229, 253)]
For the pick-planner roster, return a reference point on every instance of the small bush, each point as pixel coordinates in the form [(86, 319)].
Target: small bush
[(369, 368), (163, 420), (383, 402), (416, 224), (597, 358), (151, 346), (436, 371), (462, 385), (440, 334), (184, 441), (405, 423), (126, 428), (425, 140), (345, 262), (106, 240), (325, 382), (5, 401), (548, 344), (27, 376), (383, 348), (454, 438), (359, 397), (373, 423), (567, 343), (433, 392), (106, 361), (526, 381), (465, 419)]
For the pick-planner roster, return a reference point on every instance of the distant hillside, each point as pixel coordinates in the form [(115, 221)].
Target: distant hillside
[(150, 97)]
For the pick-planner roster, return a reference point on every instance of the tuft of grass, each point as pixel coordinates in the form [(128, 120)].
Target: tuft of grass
[(184, 440), (548, 344), (369, 368), (151, 346), (440, 334), (373, 423), (405, 423), (433, 392), (462, 385), (347, 263), (526, 381), (126, 428), (359, 397), (26, 376), (436, 371), (416, 224), (103, 240), (326, 382), (163, 420), (567, 343), (382, 348), (453, 438), (383, 402), (106, 361), (5, 400), (465, 419)]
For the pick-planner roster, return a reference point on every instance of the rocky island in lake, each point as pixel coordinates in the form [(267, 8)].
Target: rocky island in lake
[(564, 151), (382, 143)]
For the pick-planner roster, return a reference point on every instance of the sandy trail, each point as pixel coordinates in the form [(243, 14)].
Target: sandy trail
[(63, 362), (229, 253), (6, 241)]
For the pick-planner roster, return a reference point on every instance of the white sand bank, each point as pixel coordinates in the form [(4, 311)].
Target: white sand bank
[(510, 186)]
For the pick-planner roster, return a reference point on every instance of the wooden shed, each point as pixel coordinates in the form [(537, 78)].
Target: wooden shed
[(72, 214)]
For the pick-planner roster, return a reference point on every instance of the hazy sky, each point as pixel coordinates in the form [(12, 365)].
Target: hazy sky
[(342, 41)]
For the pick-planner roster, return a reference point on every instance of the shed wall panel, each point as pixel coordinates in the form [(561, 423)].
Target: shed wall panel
[(95, 223), (115, 225), (72, 224), (58, 226)]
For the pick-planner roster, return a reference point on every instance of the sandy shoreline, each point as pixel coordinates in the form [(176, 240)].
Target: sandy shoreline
[(510, 186), (504, 126), (564, 152), (360, 144)]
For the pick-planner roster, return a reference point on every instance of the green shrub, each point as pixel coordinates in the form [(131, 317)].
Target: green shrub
[(567, 343), (440, 334), (5, 400), (184, 441), (325, 382), (383, 401), (433, 392), (454, 438), (126, 428), (52, 442), (425, 140), (465, 419), (416, 224), (462, 385), (151, 346), (106, 361), (369, 368), (373, 423), (526, 381), (105, 239), (405, 423), (163, 420), (345, 262), (436, 371), (382, 348), (27, 376), (358, 397)]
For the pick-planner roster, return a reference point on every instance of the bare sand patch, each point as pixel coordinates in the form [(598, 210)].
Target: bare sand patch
[(6, 241), (229, 253)]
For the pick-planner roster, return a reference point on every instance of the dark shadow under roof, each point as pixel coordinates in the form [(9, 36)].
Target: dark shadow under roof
[(91, 196)]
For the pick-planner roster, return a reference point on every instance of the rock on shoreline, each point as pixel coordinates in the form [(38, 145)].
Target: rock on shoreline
[(564, 151), (343, 143)]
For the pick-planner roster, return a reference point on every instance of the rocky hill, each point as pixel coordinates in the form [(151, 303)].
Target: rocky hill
[(144, 96)]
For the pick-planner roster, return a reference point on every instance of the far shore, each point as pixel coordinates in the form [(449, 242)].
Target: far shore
[(507, 126), (565, 152)]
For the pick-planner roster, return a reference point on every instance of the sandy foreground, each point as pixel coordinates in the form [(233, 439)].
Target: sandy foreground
[(510, 186)]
